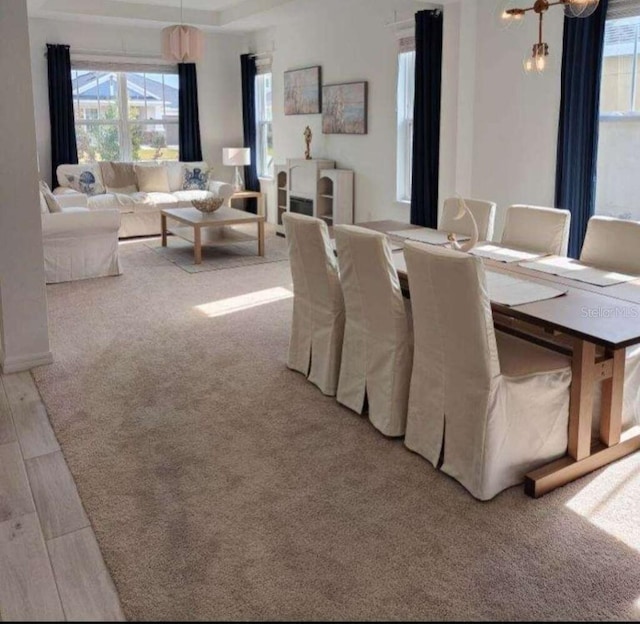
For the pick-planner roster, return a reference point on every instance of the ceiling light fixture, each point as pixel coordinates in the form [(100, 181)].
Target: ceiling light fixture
[(537, 62), (182, 44)]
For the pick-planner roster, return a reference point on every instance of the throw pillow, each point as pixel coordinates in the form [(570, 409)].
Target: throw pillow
[(44, 208), (118, 175), (195, 179), (49, 198), (152, 179), (84, 182)]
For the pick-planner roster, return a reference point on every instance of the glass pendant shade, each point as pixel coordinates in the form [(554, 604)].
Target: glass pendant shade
[(580, 8), (182, 44)]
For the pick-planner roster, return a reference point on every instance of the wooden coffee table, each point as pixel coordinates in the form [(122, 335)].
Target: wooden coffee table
[(199, 224)]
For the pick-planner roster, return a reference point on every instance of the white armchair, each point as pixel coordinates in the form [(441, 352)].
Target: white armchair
[(79, 243)]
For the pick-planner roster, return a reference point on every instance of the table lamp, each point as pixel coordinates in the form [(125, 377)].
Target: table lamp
[(236, 157)]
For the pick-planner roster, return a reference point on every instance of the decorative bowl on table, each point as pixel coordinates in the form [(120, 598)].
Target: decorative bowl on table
[(208, 205)]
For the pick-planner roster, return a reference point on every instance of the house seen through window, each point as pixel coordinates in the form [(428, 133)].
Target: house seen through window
[(128, 116), (618, 183)]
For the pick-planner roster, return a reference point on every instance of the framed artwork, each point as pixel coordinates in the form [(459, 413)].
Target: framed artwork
[(344, 109), (302, 91)]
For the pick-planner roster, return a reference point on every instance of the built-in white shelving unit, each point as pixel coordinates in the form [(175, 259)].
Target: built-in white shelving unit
[(315, 188)]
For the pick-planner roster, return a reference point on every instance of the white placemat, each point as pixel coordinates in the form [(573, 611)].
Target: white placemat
[(503, 254), (511, 291), (427, 235), (572, 269), (394, 246), (553, 265)]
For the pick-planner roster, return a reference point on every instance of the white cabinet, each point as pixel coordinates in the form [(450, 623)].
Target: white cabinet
[(315, 188), (335, 196)]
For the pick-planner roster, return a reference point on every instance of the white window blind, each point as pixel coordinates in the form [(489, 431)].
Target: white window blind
[(623, 8), (263, 65), (407, 44), (116, 66)]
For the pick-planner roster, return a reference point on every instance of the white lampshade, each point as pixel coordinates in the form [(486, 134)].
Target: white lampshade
[(236, 156), (182, 44)]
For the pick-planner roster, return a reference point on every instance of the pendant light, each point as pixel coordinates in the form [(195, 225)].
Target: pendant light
[(537, 62), (182, 44)]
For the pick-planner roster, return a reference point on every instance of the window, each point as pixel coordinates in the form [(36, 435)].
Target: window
[(618, 184), (264, 126), (125, 116), (406, 80)]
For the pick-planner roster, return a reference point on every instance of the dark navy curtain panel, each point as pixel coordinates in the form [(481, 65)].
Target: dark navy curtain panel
[(248, 68), (189, 122), (426, 119), (579, 121), (64, 150)]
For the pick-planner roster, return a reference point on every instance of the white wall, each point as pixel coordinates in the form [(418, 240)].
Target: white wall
[(499, 125), (515, 114), (24, 337), (219, 85), (351, 41)]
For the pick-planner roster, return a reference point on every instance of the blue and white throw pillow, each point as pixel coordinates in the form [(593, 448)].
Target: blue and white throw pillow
[(85, 182), (195, 179)]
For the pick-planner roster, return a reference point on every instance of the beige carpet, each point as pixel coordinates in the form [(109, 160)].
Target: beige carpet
[(223, 486), (219, 257)]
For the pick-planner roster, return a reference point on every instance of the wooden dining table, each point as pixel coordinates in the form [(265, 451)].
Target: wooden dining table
[(592, 325)]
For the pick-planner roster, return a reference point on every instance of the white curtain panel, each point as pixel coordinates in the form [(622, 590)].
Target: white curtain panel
[(317, 328), (490, 407), (484, 212), (378, 341), (612, 244), (534, 228)]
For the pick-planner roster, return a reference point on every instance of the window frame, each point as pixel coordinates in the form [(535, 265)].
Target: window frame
[(123, 124), (404, 148)]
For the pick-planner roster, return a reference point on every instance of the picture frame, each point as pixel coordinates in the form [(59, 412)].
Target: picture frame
[(345, 108), (303, 91)]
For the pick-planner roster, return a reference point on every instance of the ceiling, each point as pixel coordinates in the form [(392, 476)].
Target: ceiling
[(212, 15)]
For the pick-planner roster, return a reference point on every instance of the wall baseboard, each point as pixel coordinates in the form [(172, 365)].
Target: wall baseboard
[(10, 365)]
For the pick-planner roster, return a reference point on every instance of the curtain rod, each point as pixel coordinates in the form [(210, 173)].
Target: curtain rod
[(410, 21)]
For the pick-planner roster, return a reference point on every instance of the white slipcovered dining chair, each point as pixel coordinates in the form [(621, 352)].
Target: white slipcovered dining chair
[(614, 245), (317, 327), (533, 228), (484, 212), (487, 406), (377, 350)]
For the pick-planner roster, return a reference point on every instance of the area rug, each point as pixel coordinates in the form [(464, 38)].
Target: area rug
[(221, 485), (218, 257)]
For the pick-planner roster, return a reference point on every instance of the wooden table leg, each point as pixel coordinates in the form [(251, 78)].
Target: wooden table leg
[(262, 210), (163, 229), (582, 458), (197, 244), (261, 238), (612, 388), (581, 406)]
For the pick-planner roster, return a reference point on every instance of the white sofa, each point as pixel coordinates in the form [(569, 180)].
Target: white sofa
[(140, 211), (79, 243)]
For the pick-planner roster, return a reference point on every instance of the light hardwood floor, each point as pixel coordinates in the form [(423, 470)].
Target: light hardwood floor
[(50, 564)]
